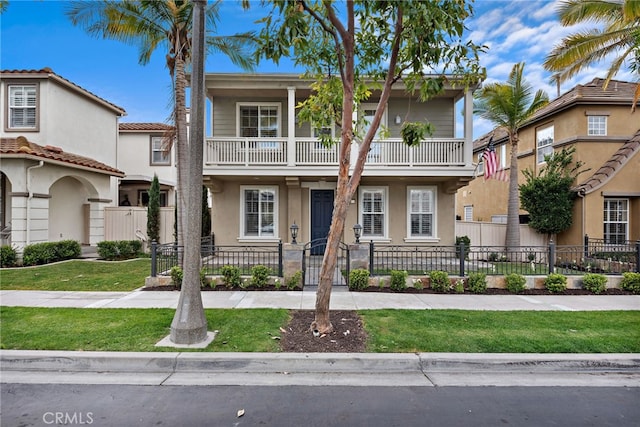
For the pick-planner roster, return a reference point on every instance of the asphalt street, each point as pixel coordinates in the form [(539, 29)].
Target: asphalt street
[(119, 405)]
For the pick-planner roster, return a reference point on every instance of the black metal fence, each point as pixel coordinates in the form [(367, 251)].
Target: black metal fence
[(593, 257), (165, 257)]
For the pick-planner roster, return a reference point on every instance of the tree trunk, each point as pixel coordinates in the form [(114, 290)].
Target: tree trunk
[(189, 324), (513, 205), (182, 152)]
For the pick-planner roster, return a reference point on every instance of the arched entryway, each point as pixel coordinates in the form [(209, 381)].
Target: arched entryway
[(69, 211)]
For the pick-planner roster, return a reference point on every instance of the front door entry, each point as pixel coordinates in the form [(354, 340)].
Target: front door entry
[(321, 213)]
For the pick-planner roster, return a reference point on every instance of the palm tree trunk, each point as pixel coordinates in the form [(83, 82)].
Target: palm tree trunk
[(182, 150), (513, 205)]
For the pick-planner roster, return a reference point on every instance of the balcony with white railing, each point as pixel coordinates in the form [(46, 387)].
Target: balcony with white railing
[(310, 153)]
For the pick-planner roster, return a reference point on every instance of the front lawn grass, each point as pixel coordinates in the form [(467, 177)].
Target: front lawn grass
[(399, 331), (393, 331), (117, 329), (78, 276)]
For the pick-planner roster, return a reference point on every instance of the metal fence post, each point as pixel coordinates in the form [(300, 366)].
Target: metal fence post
[(461, 255), (371, 249), (280, 268), (586, 246), (637, 256), (154, 267), (552, 256)]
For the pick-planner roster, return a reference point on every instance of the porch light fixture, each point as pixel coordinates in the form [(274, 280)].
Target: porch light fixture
[(294, 232), (357, 231), (398, 119)]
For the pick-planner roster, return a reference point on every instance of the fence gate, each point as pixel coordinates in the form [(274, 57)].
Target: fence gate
[(312, 255)]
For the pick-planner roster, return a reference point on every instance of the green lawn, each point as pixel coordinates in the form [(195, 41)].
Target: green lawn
[(401, 331), (78, 275)]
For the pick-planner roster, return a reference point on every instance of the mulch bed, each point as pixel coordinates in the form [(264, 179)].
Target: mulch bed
[(348, 335)]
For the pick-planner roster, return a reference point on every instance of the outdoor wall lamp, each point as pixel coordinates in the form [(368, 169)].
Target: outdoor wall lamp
[(398, 119), (294, 232), (357, 231)]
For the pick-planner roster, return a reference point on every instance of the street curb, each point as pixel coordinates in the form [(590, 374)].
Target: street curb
[(391, 363)]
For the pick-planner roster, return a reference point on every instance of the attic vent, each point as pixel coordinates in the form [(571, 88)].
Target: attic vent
[(53, 149)]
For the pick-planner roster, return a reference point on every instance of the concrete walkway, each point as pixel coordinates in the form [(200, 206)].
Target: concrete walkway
[(341, 299)]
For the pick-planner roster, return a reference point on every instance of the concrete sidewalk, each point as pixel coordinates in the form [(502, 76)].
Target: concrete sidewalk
[(305, 300)]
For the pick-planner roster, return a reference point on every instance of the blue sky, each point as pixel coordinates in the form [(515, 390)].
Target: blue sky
[(37, 34)]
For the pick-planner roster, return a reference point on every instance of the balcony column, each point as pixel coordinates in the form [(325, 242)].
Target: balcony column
[(468, 128), (291, 128)]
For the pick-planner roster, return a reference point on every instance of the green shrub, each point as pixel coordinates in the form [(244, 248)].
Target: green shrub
[(631, 282), (8, 256), (398, 281), (231, 276), (47, 252), (114, 250), (493, 257), (203, 277), (277, 284), (260, 276), (417, 284), (467, 246), (478, 283), (458, 287), (440, 281), (556, 283), (294, 281), (176, 276), (595, 283), (516, 283), (358, 279)]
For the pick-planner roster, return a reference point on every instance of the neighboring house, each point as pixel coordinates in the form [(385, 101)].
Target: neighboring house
[(266, 170), (606, 136), (143, 153), (58, 159)]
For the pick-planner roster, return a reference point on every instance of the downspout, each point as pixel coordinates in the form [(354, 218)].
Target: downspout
[(29, 169), (582, 193)]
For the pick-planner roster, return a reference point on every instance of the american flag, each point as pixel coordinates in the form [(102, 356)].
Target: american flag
[(491, 164)]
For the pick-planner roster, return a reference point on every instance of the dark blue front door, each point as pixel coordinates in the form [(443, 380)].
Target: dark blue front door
[(321, 213)]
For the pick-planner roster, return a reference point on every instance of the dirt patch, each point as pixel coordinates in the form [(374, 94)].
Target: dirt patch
[(348, 336)]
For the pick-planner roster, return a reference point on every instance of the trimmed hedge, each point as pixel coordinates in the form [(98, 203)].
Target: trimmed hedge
[(8, 256), (115, 250), (48, 252)]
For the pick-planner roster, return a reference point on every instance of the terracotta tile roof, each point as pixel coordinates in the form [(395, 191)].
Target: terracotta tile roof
[(617, 92), (21, 147), (139, 127), (47, 73), (611, 166)]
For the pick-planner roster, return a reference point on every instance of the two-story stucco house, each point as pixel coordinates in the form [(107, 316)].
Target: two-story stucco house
[(58, 159), (267, 170), (605, 132), (142, 153)]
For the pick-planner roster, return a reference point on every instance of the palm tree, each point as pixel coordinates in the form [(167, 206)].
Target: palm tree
[(150, 24), (509, 105), (619, 35)]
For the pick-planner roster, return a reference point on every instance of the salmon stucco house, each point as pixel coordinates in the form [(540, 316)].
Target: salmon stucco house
[(605, 132), (266, 169)]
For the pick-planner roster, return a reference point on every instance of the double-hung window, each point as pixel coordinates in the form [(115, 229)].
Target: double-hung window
[(23, 105), (544, 142), (159, 157), (616, 220), (597, 125), (259, 121), (259, 212), (421, 210), (373, 212)]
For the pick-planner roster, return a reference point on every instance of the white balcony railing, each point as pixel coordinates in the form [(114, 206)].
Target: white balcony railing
[(310, 152)]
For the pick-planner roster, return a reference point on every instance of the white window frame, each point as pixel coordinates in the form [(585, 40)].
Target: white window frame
[(546, 147), (12, 107), (385, 206), (481, 163), (156, 147), (259, 105), (260, 188), (597, 125), (503, 156), (468, 213), (434, 214), (606, 218)]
